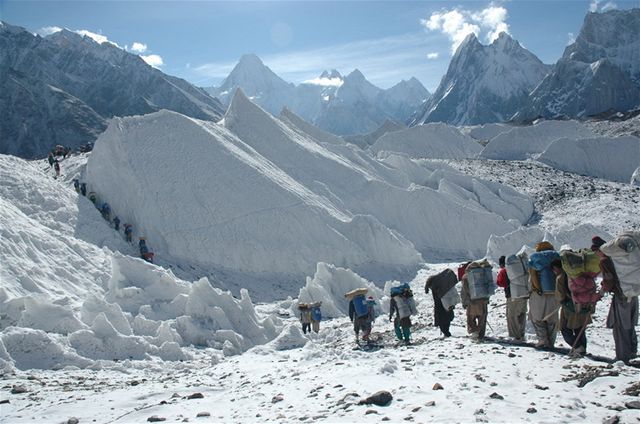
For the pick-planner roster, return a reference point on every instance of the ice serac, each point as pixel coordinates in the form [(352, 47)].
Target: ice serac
[(483, 83), (204, 197), (61, 89), (365, 140), (600, 71), (522, 142), (612, 158), (395, 196), (432, 141)]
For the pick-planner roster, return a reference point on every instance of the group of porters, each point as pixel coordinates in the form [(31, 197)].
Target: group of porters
[(558, 288)]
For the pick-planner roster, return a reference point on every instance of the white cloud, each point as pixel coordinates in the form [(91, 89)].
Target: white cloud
[(432, 56), (458, 23), (138, 47), (327, 82), (572, 38), (43, 32), (153, 60)]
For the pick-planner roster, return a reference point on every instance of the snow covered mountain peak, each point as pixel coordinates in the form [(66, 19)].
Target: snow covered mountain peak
[(333, 74), (484, 83), (599, 72)]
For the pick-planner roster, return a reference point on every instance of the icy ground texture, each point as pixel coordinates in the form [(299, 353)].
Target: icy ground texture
[(320, 378), (520, 143), (564, 200), (614, 159), (272, 198), (434, 141)]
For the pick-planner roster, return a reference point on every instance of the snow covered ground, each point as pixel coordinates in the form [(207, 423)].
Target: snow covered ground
[(90, 331)]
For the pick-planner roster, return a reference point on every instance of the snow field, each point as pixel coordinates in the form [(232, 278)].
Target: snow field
[(319, 377)]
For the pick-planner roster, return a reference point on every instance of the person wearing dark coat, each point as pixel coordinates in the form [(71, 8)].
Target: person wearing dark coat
[(442, 317)]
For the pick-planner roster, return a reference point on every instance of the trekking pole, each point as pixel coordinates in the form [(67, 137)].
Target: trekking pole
[(498, 306), (584, 327), (554, 312)]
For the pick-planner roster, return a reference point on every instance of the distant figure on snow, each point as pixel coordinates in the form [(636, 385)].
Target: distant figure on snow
[(50, 159), (83, 189), (105, 210), (316, 316), (116, 223), (145, 253), (359, 314), (76, 185), (402, 306), (56, 166), (305, 317), (128, 232), (516, 306)]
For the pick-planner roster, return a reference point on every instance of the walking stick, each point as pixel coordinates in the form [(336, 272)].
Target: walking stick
[(584, 327), (549, 316)]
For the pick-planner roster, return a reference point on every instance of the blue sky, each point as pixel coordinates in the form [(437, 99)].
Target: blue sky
[(387, 40)]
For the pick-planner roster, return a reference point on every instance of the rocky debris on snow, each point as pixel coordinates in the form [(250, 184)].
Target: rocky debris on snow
[(438, 386), (381, 398), (3, 401), (633, 390), (495, 395), (430, 403), (155, 419), (73, 420), (613, 420), (16, 390), (196, 395), (203, 414), (590, 373), (370, 411), (634, 404), (277, 398)]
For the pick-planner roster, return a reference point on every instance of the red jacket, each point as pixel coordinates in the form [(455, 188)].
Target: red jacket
[(502, 280)]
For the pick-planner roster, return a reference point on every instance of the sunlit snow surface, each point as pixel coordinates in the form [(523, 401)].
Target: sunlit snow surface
[(93, 332)]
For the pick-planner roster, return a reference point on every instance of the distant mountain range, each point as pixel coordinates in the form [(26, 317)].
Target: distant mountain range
[(339, 104), (599, 72), (62, 89)]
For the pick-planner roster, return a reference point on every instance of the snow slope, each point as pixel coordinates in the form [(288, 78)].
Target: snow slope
[(522, 142), (614, 159), (433, 141)]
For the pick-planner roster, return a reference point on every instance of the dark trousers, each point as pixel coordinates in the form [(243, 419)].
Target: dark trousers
[(571, 337), (306, 327)]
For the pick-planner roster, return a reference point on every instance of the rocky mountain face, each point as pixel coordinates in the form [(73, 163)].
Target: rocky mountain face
[(597, 73), (483, 84), (339, 104), (62, 89)]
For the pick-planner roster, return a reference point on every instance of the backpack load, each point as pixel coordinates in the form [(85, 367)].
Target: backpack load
[(441, 283), (360, 305), (580, 262), (462, 268), (450, 299), (583, 289), (303, 306), (316, 314), (624, 251), (518, 271), (397, 290), (406, 306), (353, 293), (480, 279), (541, 262)]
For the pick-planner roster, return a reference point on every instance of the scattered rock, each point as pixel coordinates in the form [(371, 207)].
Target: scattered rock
[(196, 396), (385, 419), (430, 403), (134, 383), (541, 387), (532, 410), (381, 398), (634, 404), (438, 386), (73, 420), (370, 411), (277, 398), (16, 390), (203, 414), (494, 395), (613, 420), (511, 355), (155, 419), (416, 409), (3, 401)]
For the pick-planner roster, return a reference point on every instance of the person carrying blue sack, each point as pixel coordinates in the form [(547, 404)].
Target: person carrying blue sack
[(543, 305)]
